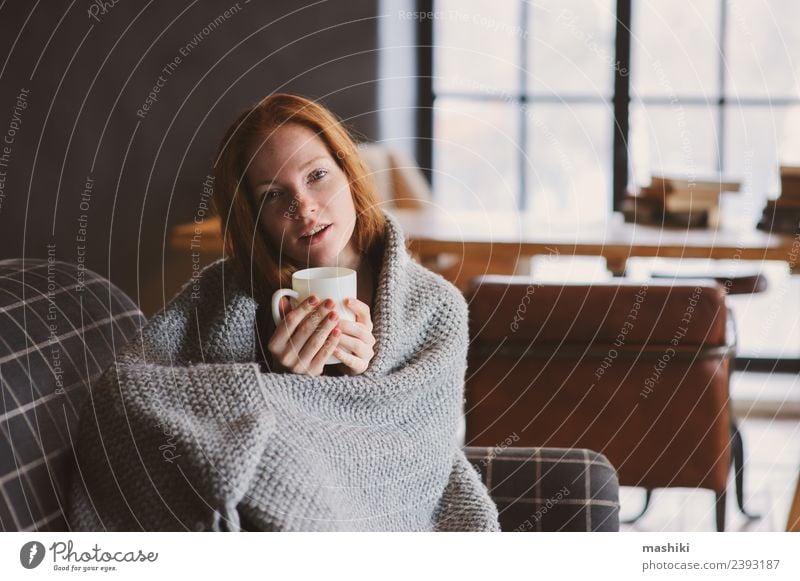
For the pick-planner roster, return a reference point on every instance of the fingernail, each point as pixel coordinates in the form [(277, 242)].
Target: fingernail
[(329, 303), (312, 300), (332, 315), (336, 332)]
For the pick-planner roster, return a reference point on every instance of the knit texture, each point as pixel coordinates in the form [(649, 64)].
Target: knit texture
[(185, 432)]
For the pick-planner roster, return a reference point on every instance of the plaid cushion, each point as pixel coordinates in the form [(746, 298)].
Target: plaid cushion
[(60, 330), (549, 489)]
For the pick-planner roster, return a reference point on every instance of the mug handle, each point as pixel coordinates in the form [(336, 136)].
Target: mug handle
[(276, 299)]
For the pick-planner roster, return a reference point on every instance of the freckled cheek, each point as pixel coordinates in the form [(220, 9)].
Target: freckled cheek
[(339, 191), (276, 227)]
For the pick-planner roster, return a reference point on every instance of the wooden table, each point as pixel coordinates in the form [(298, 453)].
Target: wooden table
[(505, 234), (495, 242)]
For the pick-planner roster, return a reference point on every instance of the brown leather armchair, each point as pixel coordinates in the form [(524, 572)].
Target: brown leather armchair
[(636, 371)]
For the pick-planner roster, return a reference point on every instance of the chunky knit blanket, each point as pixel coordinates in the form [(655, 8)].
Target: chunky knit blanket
[(185, 431)]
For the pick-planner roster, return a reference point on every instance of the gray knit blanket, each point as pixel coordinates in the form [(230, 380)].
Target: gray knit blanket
[(185, 431)]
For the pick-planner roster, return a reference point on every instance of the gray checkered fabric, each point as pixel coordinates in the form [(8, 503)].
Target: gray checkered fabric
[(549, 489), (59, 329)]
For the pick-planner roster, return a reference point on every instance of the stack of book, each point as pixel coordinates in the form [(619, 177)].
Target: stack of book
[(783, 214), (679, 202)]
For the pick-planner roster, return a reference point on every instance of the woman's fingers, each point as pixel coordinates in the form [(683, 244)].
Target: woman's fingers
[(284, 307), (310, 333), (309, 325), (357, 330), (286, 328), (315, 341), (355, 364), (356, 346), (357, 341), (360, 310), (327, 349), (300, 349)]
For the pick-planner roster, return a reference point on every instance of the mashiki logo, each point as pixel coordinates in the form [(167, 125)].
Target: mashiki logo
[(31, 554)]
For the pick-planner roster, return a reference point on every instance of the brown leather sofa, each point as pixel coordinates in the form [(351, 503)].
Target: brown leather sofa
[(636, 371)]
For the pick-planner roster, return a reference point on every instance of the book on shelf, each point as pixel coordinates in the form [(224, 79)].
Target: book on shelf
[(784, 202), (790, 171), (779, 223), (781, 216), (790, 182), (667, 184), (687, 200), (790, 189), (652, 212)]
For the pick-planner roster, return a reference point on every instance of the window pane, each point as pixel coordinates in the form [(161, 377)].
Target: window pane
[(674, 139), (571, 47), (475, 155), (477, 45), (757, 140), (674, 47), (569, 162), (763, 48)]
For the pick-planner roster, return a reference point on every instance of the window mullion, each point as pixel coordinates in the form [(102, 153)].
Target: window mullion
[(723, 31), (522, 202), (622, 91)]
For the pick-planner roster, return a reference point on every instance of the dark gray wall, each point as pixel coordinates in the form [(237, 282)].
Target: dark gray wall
[(87, 77)]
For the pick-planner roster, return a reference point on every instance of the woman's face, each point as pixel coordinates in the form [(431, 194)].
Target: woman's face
[(299, 188)]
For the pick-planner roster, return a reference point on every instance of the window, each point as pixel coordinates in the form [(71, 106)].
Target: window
[(555, 106), (522, 105)]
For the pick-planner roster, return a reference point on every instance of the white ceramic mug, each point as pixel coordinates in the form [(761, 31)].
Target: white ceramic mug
[(326, 282)]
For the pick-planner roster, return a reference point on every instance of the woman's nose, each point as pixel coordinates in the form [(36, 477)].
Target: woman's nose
[(305, 204)]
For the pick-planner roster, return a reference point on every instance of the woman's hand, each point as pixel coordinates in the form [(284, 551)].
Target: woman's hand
[(355, 349), (306, 337)]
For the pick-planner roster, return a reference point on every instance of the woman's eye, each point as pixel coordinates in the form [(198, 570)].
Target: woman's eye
[(271, 195), (318, 174)]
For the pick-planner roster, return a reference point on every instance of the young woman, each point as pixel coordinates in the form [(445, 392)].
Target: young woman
[(215, 419), (287, 169)]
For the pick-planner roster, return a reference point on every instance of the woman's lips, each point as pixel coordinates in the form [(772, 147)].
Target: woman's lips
[(316, 238)]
